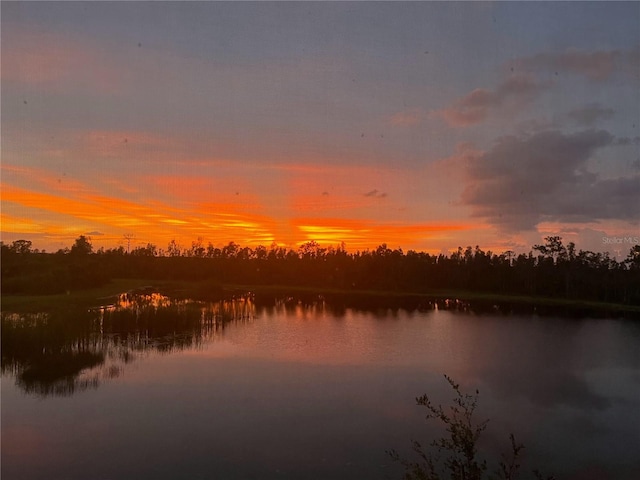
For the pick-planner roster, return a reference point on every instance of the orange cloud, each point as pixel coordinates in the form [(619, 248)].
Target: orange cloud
[(106, 210), (407, 118), (11, 223), (359, 234), (186, 213), (57, 230), (188, 207), (515, 91), (42, 178), (156, 221), (230, 189), (40, 58)]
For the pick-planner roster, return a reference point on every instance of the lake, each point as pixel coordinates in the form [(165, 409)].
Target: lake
[(153, 388)]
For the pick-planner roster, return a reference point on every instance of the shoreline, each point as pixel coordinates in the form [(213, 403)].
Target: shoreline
[(209, 291)]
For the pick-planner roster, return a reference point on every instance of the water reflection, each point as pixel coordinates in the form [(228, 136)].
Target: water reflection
[(337, 304), (67, 352), (64, 353), (307, 388)]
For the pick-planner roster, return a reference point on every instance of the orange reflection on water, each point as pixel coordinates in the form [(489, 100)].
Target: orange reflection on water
[(239, 308), (314, 333)]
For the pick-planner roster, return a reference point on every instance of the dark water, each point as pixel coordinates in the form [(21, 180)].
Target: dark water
[(150, 388)]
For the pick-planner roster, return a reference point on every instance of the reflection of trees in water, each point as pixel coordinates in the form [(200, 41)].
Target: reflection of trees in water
[(47, 353), (384, 306), (64, 353), (338, 304), (58, 374)]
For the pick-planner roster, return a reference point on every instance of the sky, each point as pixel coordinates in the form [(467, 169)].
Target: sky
[(422, 125)]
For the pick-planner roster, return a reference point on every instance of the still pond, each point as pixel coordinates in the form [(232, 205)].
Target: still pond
[(154, 388)]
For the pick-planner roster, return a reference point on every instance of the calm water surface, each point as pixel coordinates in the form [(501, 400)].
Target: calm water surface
[(151, 388)]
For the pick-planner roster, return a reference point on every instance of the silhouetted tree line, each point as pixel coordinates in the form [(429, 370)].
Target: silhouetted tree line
[(550, 270)]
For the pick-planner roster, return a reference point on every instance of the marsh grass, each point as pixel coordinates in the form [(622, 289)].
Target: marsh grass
[(71, 300), (69, 347)]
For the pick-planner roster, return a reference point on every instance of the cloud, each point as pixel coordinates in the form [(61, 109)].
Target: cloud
[(407, 118), (624, 141), (597, 65), (590, 114), (523, 85), (524, 180), (154, 219), (587, 115), (375, 194), (41, 59), (362, 234), (94, 233), (516, 90), (16, 224)]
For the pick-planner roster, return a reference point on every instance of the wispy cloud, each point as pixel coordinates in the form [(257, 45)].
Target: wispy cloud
[(363, 234), (42, 179), (19, 224), (523, 84), (46, 59), (407, 118), (597, 65), (473, 108), (84, 208), (590, 114)]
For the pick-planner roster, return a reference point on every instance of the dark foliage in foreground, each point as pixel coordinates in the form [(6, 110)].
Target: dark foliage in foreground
[(549, 270), (455, 456)]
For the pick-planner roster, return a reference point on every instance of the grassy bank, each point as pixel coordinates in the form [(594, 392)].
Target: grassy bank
[(91, 297), (208, 290)]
